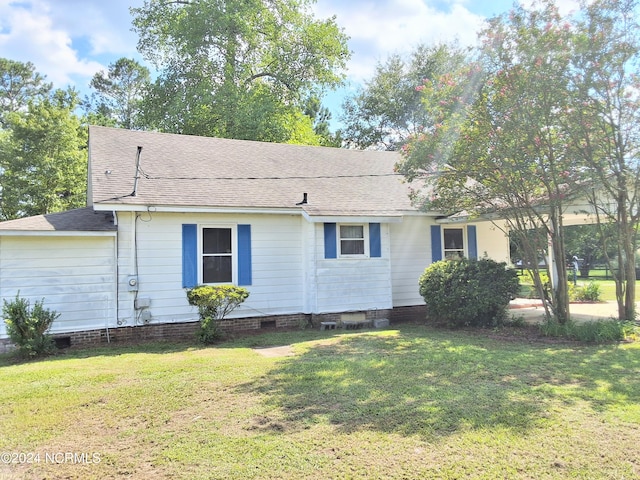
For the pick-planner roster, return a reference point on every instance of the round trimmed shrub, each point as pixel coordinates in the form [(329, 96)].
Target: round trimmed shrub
[(214, 303), (468, 292)]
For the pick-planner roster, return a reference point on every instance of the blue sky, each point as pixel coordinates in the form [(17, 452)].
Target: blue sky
[(70, 40)]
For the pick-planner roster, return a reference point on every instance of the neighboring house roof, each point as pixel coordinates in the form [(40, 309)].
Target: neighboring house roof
[(78, 220), (189, 171)]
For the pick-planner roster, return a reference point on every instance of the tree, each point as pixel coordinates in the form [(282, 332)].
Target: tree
[(19, 83), (321, 117), (119, 93), (558, 117), (500, 151), (222, 62), (604, 122), (388, 109), (43, 158)]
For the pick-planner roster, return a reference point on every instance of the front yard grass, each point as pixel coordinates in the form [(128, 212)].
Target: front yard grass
[(410, 402), (607, 289)]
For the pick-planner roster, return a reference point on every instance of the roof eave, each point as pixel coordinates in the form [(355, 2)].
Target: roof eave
[(57, 233), (111, 207), (355, 218)]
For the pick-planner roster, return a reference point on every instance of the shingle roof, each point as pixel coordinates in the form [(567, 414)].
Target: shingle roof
[(190, 171), (78, 220)]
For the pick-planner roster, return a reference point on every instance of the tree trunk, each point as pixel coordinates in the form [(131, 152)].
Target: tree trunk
[(629, 307), (561, 291)]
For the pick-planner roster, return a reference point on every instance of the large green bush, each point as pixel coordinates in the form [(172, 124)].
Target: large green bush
[(27, 327), (214, 303), (468, 292)]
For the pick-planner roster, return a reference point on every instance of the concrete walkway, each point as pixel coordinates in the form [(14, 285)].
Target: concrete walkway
[(532, 310)]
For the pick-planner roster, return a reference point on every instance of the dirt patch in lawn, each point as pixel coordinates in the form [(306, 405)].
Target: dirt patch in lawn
[(273, 352)]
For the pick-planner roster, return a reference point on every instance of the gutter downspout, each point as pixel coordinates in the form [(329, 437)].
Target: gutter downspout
[(116, 283)]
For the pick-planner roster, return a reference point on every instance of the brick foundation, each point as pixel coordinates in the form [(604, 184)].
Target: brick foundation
[(176, 331), (416, 313), (187, 330)]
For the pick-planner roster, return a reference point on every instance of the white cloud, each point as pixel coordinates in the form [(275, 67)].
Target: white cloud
[(62, 38), (105, 23), (70, 40), (378, 28)]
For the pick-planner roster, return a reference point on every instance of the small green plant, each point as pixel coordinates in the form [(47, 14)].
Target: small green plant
[(304, 323), (600, 331), (214, 304), (468, 292), (27, 327), (589, 293)]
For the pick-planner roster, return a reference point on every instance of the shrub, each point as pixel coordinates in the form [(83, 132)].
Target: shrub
[(214, 304), (27, 327), (468, 292), (600, 331), (589, 293)]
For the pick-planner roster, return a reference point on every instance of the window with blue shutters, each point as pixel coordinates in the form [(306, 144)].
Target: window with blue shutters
[(452, 243), (352, 240), (216, 254)]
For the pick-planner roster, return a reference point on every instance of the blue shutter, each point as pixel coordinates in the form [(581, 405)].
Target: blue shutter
[(244, 255), (436, 243), (330, 245), (473, 242), (375, 247), (189, 255)]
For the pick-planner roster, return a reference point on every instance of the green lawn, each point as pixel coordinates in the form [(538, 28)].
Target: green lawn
[(607, 288), (409, 403)]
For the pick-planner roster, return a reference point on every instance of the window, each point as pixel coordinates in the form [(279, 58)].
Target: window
[(453, 243), (352, 240), (217, 255)]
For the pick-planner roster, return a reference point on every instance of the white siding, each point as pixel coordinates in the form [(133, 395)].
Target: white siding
[(351, 284), (410, 255), (289, 272), (74, 275), (309, 240), (493, 241), (277, 264)]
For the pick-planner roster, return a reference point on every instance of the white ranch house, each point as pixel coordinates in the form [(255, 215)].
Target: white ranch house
[(313, 233)]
